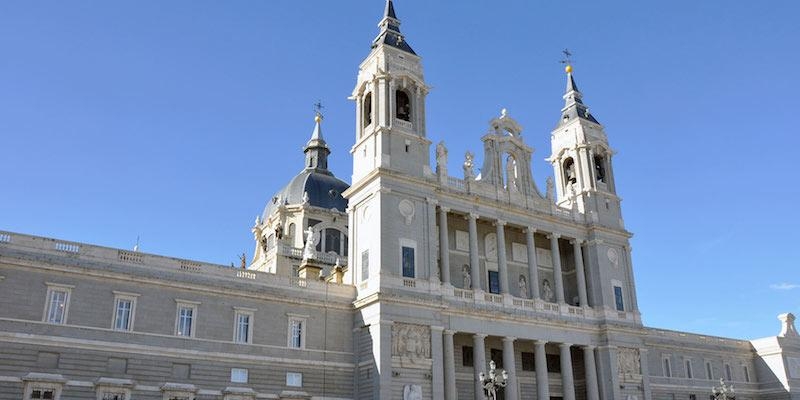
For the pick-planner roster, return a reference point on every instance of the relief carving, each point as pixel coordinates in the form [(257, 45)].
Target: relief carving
[(412, 343), (629, 362)]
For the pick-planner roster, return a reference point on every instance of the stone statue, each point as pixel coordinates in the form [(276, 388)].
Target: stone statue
[(511, 174), (550, 189), (412, 392), (523, 286), (441, 158), (469, 163), (279, 231), (308, 251), (547, 291), (243, 260), (723, 391), (787, 325), (467, 277), (305, 197)]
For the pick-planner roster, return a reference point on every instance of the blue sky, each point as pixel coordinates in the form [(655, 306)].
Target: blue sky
[(177, 121)]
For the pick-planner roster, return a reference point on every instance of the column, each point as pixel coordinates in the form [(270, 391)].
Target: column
[(444, 246), (542, 380), (557, 276), (479, 358), (502, 264), (533, 268), (437, 369), (579, 272), (508, 365), (592, 391), (449, 366), (475, 268), (567, 383), (645, 370)]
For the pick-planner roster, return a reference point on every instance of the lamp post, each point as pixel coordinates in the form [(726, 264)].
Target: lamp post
[(723, 391), (492, 382)]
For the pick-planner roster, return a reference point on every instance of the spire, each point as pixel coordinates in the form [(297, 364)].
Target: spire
[(316, 149), (573, 102), (390, 31)]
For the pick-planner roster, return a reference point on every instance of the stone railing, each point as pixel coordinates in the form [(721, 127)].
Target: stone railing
[(297, 252), (145, 261), (404, 125)]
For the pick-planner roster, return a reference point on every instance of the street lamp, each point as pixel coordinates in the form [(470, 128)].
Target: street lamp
[(491, 383)]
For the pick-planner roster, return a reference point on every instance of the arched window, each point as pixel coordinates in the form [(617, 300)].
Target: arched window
[(570, 176), (367, 110), (290, 233), (333, 240), (599, 168), (402, 105)]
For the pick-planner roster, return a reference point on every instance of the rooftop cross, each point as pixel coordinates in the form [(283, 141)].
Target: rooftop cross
[(567, 60), (318, 108)]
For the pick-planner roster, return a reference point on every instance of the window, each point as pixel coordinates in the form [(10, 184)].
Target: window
[(467, 359), (333, 240), (528, 361), (667, 367), (367, 111), (365, 265), (42, 393), (42, 390), (408, 262), (709, 371), (728, 373), (496, 355), (239, 375), (402, 106), (294, 379), (184, 320), (689, 373), (494, 282), (57, 305), (599, 169), (124, 309), (553, 363), (618, 300), (297, 331), (243, 325), (746, 373)]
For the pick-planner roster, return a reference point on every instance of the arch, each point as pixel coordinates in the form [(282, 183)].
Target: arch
[(570, 175), (402, 105), (600, 168), (366, 111)]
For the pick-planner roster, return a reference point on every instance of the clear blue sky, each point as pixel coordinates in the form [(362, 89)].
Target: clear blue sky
[(176, 121)]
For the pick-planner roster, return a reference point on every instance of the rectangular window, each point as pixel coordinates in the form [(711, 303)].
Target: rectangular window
[(709, 371), (365, 265), (185, 318), (689, 373), (408, 262), (124, 310), (239, 375), (57, 304), (43, 393), (494, 282), (618, 298), (728, 373), (297, 332), (553, 363), (467, 359), (294, 379), (243, 326), (113, 396), (528, 361), (496, 355), (667, 368)]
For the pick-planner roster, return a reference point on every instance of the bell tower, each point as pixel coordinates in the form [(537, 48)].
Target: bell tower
[(581, 159), (390, 106)]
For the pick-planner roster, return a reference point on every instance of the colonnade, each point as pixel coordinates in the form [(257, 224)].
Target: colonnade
[(512, 387), (502, 260)]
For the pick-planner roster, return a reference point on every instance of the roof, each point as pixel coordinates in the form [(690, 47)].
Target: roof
[(324, 191)]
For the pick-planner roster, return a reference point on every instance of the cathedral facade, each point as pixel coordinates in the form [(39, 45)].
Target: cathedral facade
[(408, 283)]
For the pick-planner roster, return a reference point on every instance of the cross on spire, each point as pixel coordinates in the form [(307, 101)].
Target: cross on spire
[(567, 57), (318, 108)]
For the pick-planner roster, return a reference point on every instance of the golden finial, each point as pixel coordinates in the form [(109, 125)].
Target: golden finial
[(568, 69), (317, 118)]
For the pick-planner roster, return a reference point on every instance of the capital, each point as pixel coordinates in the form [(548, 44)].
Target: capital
[(588, 347), (509, 339), (499, 222), (576, 242), (444, 209), (530, 229), (564, 345), (553, 235), (437, 328), (540, 342), (473, 216), (479, 336), (431, 200), (449, 332)]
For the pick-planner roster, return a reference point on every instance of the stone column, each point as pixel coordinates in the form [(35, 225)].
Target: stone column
[(479, 358), (444, 246), (557, 275), (542, 380), (567, 382), (533, 267), (474, 264), (579, 272), (449, 366), (502, 264), (508, 365), (437, 369), (592, 390)]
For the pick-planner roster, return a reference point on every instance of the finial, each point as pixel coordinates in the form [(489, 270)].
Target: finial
[(136, 246), (567, 60), (318, 111), (503, 113)]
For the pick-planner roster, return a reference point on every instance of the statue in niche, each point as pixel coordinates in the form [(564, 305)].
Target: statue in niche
[(264, 243), (523, 286), (571, 178), (279, 231), (467, 277), (550, 189), (512, 183), (412, 392), (441, 158), (469, 163), (547, 291), (308, 251)]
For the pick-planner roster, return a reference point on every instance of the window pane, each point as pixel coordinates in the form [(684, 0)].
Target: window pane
[(618, 298), (466, 356), (297, 334), (408, 262), (242, 328), (185, 321), (123, 315), (58, 304), (333, 240), (239, 375), (494, 282)]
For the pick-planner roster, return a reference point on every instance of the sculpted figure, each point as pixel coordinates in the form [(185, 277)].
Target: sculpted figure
[(308, 250), (469, 160), (547, 291), (523, 286), (441, 157), (550, 189), (467, 277)]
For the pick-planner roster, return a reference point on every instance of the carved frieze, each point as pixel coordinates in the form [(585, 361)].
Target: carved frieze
[(412, 343), (629, 362)]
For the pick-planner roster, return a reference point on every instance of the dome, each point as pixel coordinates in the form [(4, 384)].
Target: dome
[(324, 191)]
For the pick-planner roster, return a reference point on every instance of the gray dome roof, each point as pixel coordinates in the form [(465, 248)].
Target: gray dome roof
[(324, 191)]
